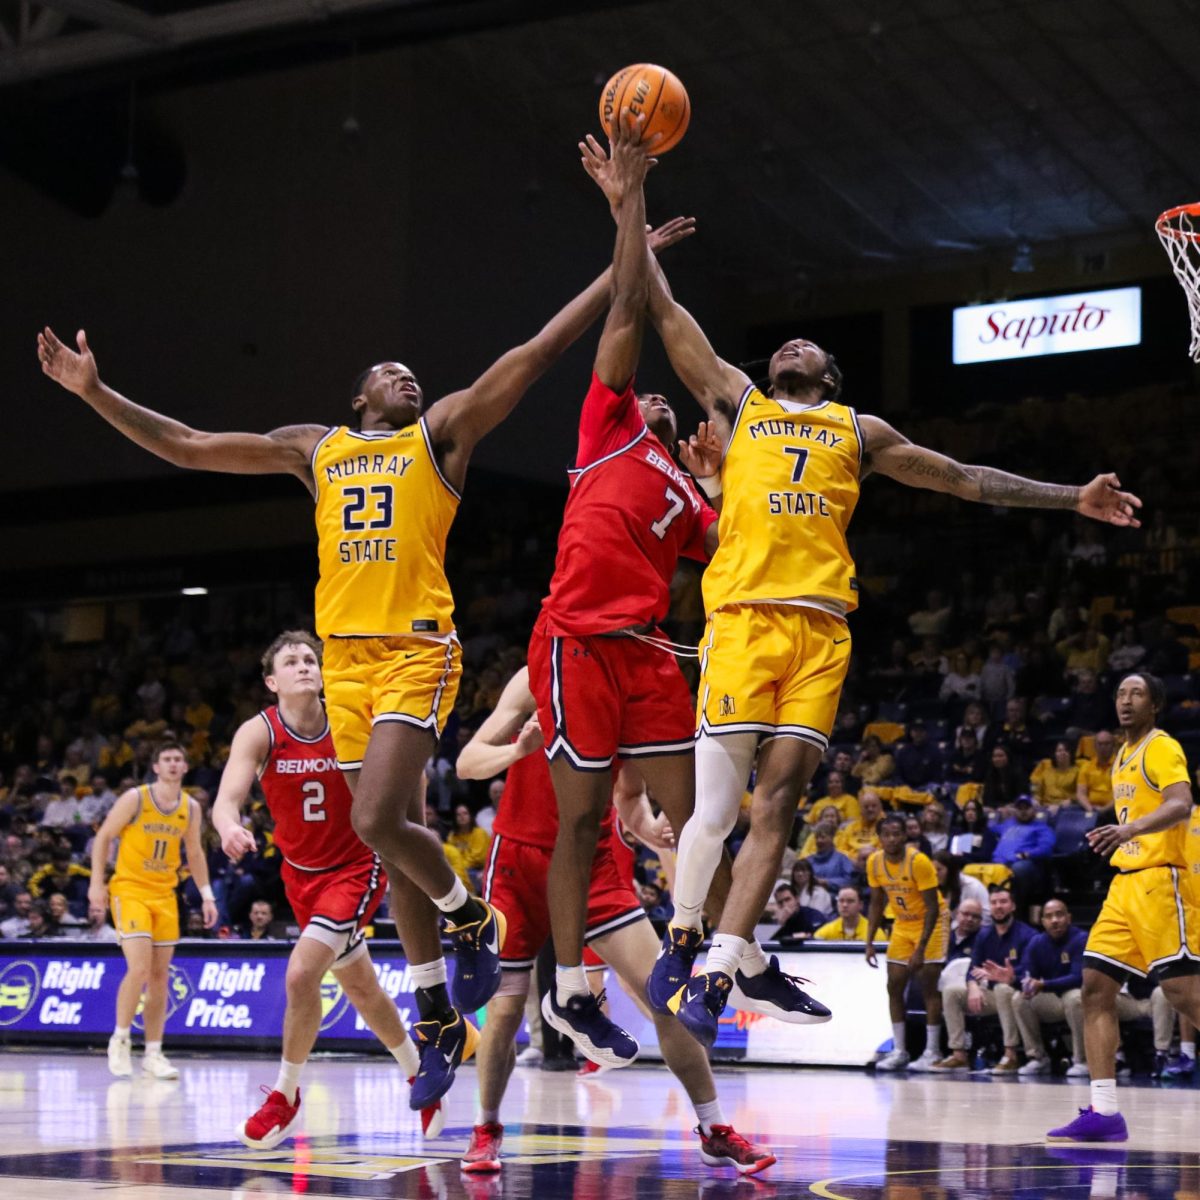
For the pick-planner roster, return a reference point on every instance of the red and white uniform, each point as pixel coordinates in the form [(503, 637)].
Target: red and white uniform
[(333, 881), (514, 880), (631, 514)]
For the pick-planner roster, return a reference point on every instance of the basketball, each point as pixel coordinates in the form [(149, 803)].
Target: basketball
[(655, 91)]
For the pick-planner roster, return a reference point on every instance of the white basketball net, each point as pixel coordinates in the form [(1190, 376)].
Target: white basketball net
[(1181, 239)]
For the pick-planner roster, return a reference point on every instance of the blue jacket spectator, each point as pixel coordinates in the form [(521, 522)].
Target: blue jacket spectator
[(1023, 836), (1058, 964), (1005, 942), (918, 761)]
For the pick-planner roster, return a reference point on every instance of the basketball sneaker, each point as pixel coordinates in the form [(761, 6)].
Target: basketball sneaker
[(272, 1123), (120, 1057), (673, 967), (894, 1060), (477, 946), (158, 1066), (580, 1019), (1178, 1066), (433, 1116), (443, 1048), (1090, 1126), (725, 1147), (483, 1154), (926, 1063), (772, 993), (700, 1003)]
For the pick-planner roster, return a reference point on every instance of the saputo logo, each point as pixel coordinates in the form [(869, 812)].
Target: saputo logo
[(179, 991)]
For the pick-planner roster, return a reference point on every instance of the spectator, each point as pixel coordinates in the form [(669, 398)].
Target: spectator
[(796, 923), (487, 814), (828, 865), (1002, 782), (63, 810), (17, 926), (933, 827), (974, 718), (958, 887), (95, 807), (8, 892), (454, 857), (843, 763), (64, 921), (1094, 789), (470, 841), (934, 619), (990, 985), (828, 815), (1055, 779), (914, 835), (60, 874), (1127, 650), (874, 767), (844, 801), (658, 907), (850, 924), (960, 682), (929, 659), (1026, 846), (1052, 970), (1014, 733), (963, 935), (918, 761), (967, 764), (40, 925), (258, 926), (1088, 709), (808, 891), (98, 929), (860, 838), (996, 681), (1167, 655)]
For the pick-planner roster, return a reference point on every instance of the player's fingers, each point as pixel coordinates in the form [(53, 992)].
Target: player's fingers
[(81, 341)]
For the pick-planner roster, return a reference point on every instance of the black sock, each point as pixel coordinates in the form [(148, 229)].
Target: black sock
[(433, 1003), (466, 913)]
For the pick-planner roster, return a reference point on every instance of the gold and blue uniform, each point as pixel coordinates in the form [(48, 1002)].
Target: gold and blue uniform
[(383, 602), (905, 884), (776, 648), (149, 855), (1150, 919)]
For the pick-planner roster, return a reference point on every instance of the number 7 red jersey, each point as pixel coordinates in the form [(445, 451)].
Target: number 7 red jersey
[(630, 515), (309, 800)]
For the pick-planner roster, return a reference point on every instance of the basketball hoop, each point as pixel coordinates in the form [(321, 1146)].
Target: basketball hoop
[(1179, 231)]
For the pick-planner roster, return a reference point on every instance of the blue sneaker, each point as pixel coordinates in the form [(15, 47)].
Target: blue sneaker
[(1178, 1066), (581, 1020), (1090, 1126), (477, 946), (700, 1002), (673, 967), (443, 1048), (773, 993)]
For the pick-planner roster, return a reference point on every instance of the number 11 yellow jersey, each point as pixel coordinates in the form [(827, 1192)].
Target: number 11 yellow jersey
[(150, 852)]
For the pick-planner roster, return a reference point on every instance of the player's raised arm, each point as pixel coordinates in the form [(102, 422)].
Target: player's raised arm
[(118, 817), (492, 750), (890, 453), (283, 451), (248, 751)]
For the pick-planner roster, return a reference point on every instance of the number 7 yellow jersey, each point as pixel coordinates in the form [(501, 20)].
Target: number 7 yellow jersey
[(1140, 775), (150, 852), (384, 511), (791, 482)]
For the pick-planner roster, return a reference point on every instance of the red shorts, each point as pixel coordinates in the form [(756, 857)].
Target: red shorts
[(608, 697), (514, 880), (336, 906)]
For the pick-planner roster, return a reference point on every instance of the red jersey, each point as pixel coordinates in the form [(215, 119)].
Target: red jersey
[(528, 810), (309, 799), (630, 515)]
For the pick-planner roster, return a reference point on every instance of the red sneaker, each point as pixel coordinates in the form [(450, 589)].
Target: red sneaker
[(272, 1123), (725, 1147), (589, 1068), (483, 1154), (433, 1116)]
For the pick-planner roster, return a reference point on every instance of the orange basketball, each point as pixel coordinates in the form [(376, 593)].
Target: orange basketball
[(655, 91)]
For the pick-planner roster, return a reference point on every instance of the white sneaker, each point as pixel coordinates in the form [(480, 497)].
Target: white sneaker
[(531, 1056), (158, 1066), (1078, 1071), (897, 1060), (120, 1060), (1035, 1066), (926, 1062)]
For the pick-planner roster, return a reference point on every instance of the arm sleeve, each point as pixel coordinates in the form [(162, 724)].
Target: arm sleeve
[(1165, 763), (608, 421)]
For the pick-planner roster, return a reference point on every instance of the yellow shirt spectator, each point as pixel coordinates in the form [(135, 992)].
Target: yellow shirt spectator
[(834, 931), (468, 839), (1055, 780), (857, 834), (1095, 775), (839, 798)]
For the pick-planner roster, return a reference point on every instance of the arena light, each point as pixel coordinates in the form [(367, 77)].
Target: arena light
[(194, 591), (1050, 325)]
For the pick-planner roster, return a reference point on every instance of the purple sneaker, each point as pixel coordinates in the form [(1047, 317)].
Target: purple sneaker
[(1090, 1126)]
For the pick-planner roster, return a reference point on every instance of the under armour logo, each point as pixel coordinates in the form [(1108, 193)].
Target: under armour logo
[(728, 708)]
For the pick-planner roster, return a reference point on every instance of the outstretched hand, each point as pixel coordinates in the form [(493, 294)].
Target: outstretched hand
[(75, 371), (701, 453), (667, 234), (624, 165), (1103, 500)]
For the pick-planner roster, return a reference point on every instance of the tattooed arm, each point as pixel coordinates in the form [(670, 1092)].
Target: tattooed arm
[(890, 453)]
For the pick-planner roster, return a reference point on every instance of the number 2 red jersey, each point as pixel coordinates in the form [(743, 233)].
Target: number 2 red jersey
[(309, 799), (630, 515)]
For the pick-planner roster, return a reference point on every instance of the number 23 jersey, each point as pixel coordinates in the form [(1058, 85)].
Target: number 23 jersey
[(309, 799)]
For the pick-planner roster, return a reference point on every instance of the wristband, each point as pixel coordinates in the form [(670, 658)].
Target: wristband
[(206, 893), (710, 485)]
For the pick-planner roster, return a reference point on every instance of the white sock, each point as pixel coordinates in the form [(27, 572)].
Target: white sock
[(933, 1039), (722, 772), (1104, 1096), (487, 1116), (154, 1047), (709, 1114), (408, 1058), (288, 1079), (898, 1038), (1188, 1049), (427, 975), (754, 962), (122, 1032), (455, 898), (726, 953), (568, 982)]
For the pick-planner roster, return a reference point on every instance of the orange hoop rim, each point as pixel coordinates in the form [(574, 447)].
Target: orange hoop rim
[(1164, 226)]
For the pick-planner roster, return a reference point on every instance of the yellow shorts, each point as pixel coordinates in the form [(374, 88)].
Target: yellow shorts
[(1150, 921), (906, 935), (153, 917), (776, 669), (370, 680)]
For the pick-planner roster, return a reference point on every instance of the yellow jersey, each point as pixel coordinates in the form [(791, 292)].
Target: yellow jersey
[(791, 482), (832, 931), (150, 852), (1140, 775), (384, 510), (904, 882)]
